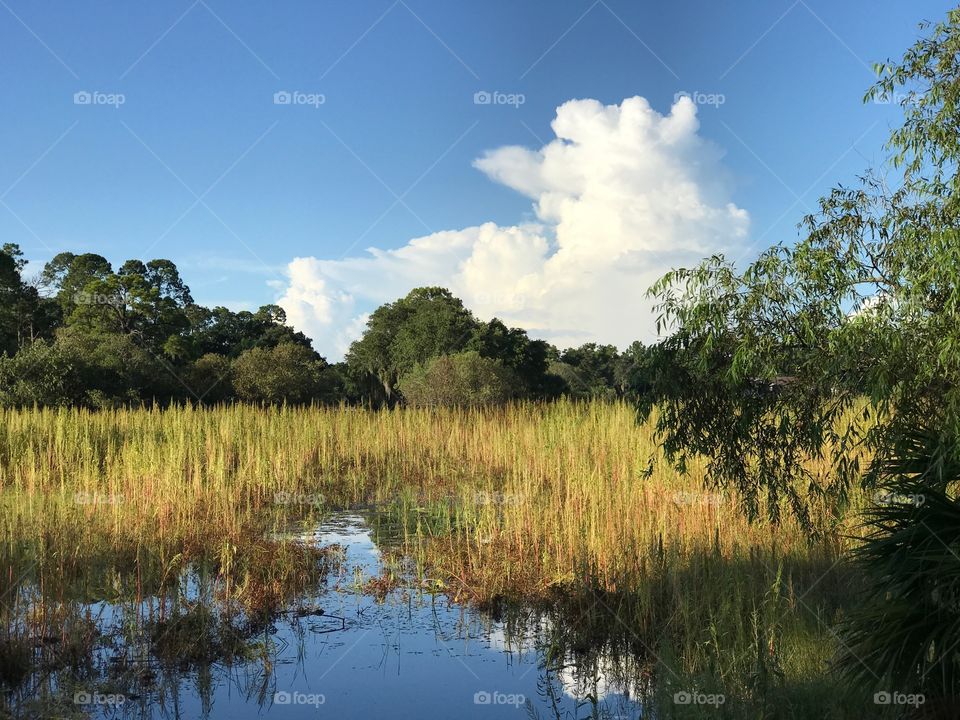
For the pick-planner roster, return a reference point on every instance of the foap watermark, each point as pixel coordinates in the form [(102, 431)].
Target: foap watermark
[(298, 698), (695, 498), (885, 697), (694, 697), (297, 97), (891, 497), (499, 300), (84, 697), (894, 98), (95, 498), (286, 498), (498, 698), (485, 97), (85, 298), (95, 97), (702, 98), (498, 498)]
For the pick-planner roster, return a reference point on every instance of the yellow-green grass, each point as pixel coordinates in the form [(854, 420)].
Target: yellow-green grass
[(528, 500), (576, 467), (563, 486)]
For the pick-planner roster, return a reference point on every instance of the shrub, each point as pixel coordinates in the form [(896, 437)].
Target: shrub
[(287, 373), (460, 379), (209, 378), (42, 373)]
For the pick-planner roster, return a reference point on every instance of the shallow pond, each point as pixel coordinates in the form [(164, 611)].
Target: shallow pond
[(351, 649)]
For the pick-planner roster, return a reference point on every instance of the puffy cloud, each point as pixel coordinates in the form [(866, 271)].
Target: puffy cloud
[(621, 195)]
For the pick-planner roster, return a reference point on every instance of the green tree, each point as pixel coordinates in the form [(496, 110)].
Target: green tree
[(428, 322), (43, 374), (287, 373), (147, 301), (79, 368), (633, 371), (515, 350), (348, 385), (24, 315), (117, 370), (845, 348), (210, 379), (460, 379), (68, 275), (11, 291), (589, 370), (225, 332)]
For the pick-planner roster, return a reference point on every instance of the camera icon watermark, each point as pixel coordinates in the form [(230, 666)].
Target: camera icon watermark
[(702, 98), (693, 697), (95, 97), (498, 698), (298, 698), (484, 97), (296, 97)]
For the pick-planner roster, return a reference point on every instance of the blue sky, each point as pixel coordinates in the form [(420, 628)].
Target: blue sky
[(200, 165)]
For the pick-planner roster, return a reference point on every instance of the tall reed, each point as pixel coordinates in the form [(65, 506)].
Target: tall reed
[(528, 500)]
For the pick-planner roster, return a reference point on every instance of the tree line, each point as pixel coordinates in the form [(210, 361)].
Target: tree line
[(82, 333)]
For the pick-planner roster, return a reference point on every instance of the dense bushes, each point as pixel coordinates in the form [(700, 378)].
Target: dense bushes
[(286, 373), (459, 379)]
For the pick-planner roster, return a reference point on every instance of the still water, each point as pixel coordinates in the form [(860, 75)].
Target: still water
[(352, 650)]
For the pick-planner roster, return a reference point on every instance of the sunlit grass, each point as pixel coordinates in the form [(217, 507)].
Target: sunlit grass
[(552, 503)]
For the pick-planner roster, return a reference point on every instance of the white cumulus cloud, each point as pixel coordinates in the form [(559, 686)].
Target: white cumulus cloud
[(621, 195)]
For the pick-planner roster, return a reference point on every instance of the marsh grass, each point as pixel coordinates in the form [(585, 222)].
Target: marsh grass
[(568, 503)]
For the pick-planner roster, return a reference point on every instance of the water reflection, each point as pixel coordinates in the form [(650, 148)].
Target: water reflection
[(369, 640)]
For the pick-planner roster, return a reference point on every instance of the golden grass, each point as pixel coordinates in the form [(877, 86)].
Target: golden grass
[(563, 483), (170, 454), (526, 500)]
